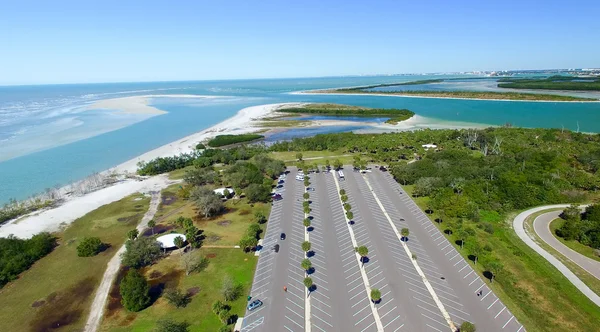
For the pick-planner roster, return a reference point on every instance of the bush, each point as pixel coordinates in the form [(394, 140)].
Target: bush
[(230, 290), (225, 329), (89, 246), (467, 327), (193, 263), (141, 252), (134, 291), (169, 325), (200, 146), (260, 217), (177, 298), (17, 255), (222, 140)]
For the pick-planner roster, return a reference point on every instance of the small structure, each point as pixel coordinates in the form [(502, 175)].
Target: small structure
[(429, 146), (221, 191), (168, 241)]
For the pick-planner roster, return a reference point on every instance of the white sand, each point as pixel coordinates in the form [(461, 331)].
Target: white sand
[(55, 219), (136, 104), (75, 207), (241, 123)]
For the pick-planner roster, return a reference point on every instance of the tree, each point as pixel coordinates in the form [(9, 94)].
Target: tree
[(193, 236), (248, 242), (327, 164), (475, 249), (176, 297), (349, 215), (344, 198), (141, 252), (299, 156), (462, 234), (306, 210), (219, 306), (375, 295), (494, 267), (230, 290), (208, 202), (306, 223), (258, 192), (152, 224), (306, 195), (404, 232), (179, 242), (133, 234), (306, 264), (347, 207), (306, 246), (226, 193), (467, 327), (169, 325), (193, 263), (342, 192), (362, 252), (305, 204), (224, 316), (134, 291), (308, 283), (306, 181), (337, 164), (260, 218), (89, 246), (200, 176)]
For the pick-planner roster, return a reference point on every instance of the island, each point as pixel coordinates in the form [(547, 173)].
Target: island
[(395, 115), (556, 82)]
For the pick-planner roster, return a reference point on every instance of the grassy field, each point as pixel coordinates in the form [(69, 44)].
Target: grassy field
[(469, 95), (538, 295), (207, 284), (58, 289), (574, 245), (592, 282), (310, 157)]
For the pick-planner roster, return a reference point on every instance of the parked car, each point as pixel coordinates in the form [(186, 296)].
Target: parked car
[(282, 236), (277, 197), (382, 168), (255, 304)]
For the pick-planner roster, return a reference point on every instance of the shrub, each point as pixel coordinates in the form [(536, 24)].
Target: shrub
[(134, 291), (230, 291), (17, 255), (89, 246), (467, 327), (177, 298), (141, 252), (169, 325)]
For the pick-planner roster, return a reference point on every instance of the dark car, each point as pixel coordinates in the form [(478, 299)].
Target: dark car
[(276, 248), (282, 236), (277, 197), (382, 168), (255, 304)]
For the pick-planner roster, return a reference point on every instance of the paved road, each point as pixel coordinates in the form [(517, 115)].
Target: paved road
[(541, 225), (436, 257), (518, 225)]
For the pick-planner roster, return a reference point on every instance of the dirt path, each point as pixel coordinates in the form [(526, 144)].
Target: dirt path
[(112, 268)]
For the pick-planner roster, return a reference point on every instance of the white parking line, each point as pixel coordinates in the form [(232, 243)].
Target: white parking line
[(492, 304), (293, 321), (498, 314), (488, 293), (511, 318)]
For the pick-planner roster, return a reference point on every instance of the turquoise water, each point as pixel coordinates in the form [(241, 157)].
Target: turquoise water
[(47, 138)]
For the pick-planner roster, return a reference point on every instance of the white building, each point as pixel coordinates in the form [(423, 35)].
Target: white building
[(429, 146), (221, 191), (168, 241)]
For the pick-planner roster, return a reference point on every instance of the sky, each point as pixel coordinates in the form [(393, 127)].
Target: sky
[(47, 42)]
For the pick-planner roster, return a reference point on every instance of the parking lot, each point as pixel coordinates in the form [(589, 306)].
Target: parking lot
[(340, 299)]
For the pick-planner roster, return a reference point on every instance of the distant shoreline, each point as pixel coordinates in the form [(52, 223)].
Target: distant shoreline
[(314, 92)]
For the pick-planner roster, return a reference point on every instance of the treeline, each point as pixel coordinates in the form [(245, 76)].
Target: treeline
[(583, 227), (556, 82), (223, 140), (495, 169), (396, 115), (17, 255), (469, 95)]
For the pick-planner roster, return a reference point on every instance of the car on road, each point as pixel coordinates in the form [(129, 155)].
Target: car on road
[(276, 248), (282, 236), (255, 304)]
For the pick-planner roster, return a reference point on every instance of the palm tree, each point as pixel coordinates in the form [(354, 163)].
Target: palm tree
[(404, 232), (363, 252), (151, 224), (306, 223), (308, 283), (375, 295), (179, 243), (306, 246), (306, 265)]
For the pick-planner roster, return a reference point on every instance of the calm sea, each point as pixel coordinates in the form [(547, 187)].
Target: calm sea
[(47, 138)]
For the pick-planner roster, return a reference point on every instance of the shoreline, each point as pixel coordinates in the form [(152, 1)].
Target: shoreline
[(311, 92), (136, 104), (244, 121)]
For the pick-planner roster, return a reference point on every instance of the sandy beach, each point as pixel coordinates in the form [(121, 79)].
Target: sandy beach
[(136, 104)]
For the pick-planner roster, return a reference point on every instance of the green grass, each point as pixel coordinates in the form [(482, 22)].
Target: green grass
[(63, 280), (311, 157), (282, 123), (540, 297), (198, 313), (587, 251), (178, 174)]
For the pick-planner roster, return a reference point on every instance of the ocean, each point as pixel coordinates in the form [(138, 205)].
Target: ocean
[(48, 138)]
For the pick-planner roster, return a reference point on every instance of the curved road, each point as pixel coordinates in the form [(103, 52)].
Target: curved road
[(519, 226), (541, 226)]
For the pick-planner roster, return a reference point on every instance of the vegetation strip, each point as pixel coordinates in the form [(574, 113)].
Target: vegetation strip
[(411, 258), (224, 140), (395, 115), (363, 274), (556, 82)]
